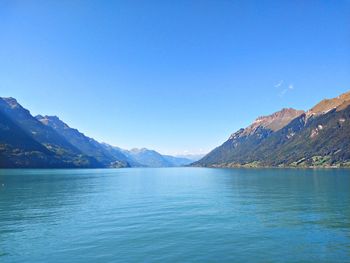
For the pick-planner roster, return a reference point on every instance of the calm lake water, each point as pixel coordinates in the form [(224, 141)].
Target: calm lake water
[(175, 215)]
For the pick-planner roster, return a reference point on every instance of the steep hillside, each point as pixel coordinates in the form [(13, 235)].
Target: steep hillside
[(319, 137), (85, 144), (69, 155), (18, 149), (244, 142)]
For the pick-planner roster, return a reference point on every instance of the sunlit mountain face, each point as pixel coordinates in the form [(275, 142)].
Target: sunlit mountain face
[(319, 137)]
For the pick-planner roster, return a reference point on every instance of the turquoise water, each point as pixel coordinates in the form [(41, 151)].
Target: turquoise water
[(175, 215)]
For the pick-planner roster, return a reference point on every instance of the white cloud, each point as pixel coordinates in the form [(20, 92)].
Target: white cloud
[(286, 90), (279, 84), (283, 92)]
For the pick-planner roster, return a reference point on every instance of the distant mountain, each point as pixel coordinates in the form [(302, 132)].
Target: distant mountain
[(192, 157), (48, 142), (111, 156), (147, 157), (59, 152), (107, 157), (177, 161), (319, 137), (292, 138), (116, 151), (151, 158)]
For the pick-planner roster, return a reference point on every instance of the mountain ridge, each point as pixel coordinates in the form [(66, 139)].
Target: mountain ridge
[(47, 141), (152, 158), (308, 140), (69, 155), (340, 102), (85, 144), (318, 137)]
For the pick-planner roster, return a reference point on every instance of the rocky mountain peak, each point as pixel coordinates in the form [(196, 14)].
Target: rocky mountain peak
[(287, 139), (275, 121), (327, 105), (12, 102), (139, 150), (52, 121)]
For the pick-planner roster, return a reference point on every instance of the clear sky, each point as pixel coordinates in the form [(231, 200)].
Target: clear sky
[(173, 76)]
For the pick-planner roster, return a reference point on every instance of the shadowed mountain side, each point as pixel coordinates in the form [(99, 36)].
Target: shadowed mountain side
[(87, 145), (319, 137), (68, 155), (17, 148)]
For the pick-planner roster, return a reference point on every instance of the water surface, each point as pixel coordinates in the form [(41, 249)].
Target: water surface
[(175, 215)]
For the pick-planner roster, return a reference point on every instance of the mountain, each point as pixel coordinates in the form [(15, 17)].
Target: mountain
[(151, 158), (88, 146), (177, 161), (148, 158), (243, 143), (116, 152), (191, 157), (48, 142), (319, 137), (339, 103), (290, 138), (54, 150), (18, 149)]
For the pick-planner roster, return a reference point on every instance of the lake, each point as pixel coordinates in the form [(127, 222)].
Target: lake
[(175, 215)]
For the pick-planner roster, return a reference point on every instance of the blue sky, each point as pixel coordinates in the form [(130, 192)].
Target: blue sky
[(174, 76)]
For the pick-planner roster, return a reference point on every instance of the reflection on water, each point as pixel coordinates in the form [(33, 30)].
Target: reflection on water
[(174, 214)]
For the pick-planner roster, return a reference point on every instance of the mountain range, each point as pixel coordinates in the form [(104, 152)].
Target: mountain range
[(47, 142), (319, 137), (152, 158)]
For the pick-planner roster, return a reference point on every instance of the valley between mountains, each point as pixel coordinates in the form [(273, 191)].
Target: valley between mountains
[(318, 137), (47, 142)]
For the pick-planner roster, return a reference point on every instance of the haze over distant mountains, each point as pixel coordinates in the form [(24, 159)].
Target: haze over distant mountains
[(319, 137), (48, 142)]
